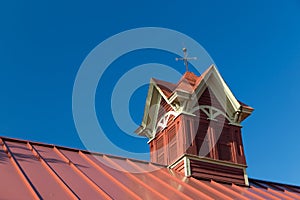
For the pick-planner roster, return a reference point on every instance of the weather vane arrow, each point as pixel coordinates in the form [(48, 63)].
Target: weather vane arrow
[(186, 58)]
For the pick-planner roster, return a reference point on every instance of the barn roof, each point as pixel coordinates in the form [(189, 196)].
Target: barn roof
[(29, 169)]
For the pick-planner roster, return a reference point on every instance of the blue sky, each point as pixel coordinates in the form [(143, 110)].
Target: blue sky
[(255, 44)]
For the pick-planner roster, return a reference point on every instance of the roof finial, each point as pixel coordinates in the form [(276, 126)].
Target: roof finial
[(186, 58)]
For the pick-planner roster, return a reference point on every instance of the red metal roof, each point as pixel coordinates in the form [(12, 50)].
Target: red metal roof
[(34, 170)]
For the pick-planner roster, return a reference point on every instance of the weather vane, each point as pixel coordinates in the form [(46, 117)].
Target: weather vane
[(186, 58)]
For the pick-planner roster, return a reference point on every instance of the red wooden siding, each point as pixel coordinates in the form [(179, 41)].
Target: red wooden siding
[(209, 98), (217, 172), (167, 146), (179, 167), (163, 109)]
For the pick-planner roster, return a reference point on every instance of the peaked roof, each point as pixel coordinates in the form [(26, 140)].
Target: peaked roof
[(192, 84), (35, 170), (188, 82)]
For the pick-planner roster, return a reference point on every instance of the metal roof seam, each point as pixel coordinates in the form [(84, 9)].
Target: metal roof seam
[(160, 181), (83, 175), (279, 194), (21, 172), (259, 184), (263, 192), (228, 190), (274, 183), (161, 196), (292, 189), (276, 187), (102, 171), (211, 189), (201, 194), (52, 171), (292, 194), (242, 189)]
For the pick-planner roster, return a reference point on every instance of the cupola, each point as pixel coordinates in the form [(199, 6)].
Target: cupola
[(194, 127)]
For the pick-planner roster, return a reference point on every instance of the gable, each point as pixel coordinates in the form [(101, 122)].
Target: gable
[(157, 104), (219, 97), (209, 108), (183, 98)]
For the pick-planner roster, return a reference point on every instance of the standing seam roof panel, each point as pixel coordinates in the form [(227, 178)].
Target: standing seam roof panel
[(71, 177), (113, 189), (10, 180), (140, 179), (166, 183), (155, 185), (38, 175), (37, 170)]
